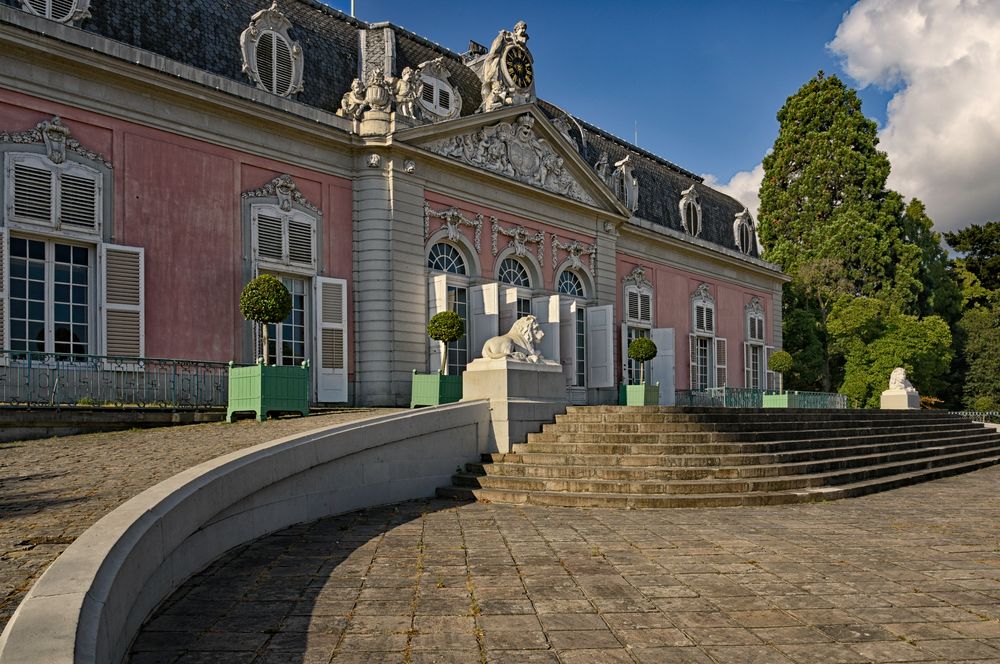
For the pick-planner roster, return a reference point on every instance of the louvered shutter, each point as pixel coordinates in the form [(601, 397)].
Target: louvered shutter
[(721, 377), (645, 308), (632, 305), (301, 239), (4, 307), (600, 346), (747, 364), (331, 336), (123, 300), (31, 192), (444, 99), (264, 54), (270, 236), (710, 319), (699, 317), (283, 65), (62, 9), (693, 356), (79, 198), (427, 92)]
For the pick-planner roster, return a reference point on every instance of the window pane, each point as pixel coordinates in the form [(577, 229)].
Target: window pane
[(446, 258), (514, 273)]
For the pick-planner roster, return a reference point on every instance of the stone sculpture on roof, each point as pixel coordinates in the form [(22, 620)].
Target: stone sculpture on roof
[(625, 185), (506, 70)]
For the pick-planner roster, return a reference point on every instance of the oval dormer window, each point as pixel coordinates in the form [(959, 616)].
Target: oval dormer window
[(63, 11), (270, 57), (275, 64)]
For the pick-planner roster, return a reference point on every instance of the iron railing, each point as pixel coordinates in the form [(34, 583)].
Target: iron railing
[(743, 397), (986, 417), (51, 379)]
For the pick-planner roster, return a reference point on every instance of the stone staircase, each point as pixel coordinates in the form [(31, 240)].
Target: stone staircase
[(619, 456)]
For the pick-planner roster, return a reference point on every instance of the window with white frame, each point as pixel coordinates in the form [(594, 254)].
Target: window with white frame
[(754, 357), (638, 322), (64, 196), (690, 209), (708, 351), (287, 340), (573, 327), (743, 232), (436, 96), (63, 11), (284, 238), (270, 57), (570, 284), (445, 257)]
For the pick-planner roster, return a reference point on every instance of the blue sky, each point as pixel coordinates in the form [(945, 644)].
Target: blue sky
[(703, 80)]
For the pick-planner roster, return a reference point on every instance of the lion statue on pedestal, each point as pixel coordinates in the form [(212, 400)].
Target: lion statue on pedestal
[(898, 380), (521, 343)]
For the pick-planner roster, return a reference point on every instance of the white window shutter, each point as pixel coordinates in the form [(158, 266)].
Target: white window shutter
[(632, 309), (645, 308), (79, 196), (747, 365), (567, 337), (331, 335), (623, 345), (508, 307), (437, 301), (123, 319), (709, 319), (721, 355), (600, 346), (301, 239), (269, 235), (546, 312), (4, 306), (662, 367), (31, 192), (773, 377), (693, 352), (485, 316)]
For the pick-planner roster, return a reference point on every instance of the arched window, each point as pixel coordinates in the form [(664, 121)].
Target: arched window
[(690, 208), (570, 284), (270, 57), (513, 272), (446, 258), (64, 11)]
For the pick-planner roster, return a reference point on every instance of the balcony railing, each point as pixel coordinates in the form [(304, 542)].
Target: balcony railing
[(51, 379), (743, 397)]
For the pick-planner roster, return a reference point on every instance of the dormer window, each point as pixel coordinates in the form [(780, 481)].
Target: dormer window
[(743, 232), (690, 208), (270, 57), (438, 98), (63, 11)]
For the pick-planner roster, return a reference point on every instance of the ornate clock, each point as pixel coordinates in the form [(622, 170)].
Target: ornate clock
[(517, 64)]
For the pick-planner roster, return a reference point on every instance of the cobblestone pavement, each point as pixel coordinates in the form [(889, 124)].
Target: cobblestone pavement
[(911, 575), (52, 490)]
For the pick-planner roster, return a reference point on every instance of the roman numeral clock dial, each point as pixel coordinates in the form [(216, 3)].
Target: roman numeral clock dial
[(518, 65)]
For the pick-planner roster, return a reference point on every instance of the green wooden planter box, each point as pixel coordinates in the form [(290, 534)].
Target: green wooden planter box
[(434, 389), (643, 394), (265, 390), (778, 401)]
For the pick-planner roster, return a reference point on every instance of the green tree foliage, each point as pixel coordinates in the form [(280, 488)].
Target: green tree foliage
[(642, 350), (981, 247), (981, 326), (874, 338), (265, 300)]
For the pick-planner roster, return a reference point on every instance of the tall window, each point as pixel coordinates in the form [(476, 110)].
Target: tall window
[(753, 348), (581, 347), (708, 351), (458, 351), (287, 339), (690, 209), (638, 317), (634, 366), (50, 297)]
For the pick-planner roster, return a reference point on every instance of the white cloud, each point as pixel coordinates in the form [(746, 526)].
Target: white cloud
[(942, 133), (743, 186)]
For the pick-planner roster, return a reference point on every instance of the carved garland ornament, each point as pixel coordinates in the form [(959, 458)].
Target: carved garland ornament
[(55, 135), (637, 278), (703, 293), (519, 237), (452, 219), (575, 250), (285, 190), (514, 151), (754, 307)]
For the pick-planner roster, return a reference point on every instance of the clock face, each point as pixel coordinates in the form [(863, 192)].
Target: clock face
[(518, 65)]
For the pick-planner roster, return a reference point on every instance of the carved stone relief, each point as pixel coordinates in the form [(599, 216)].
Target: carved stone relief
[(285, 190), (703, 292), (754, 307), (637, 278), (575, 250), (624, 184), (506, 71), (513, 150), (56, 138), (519, 237), (451, 220)]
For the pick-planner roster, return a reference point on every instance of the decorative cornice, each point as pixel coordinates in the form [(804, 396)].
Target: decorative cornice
[(452, 219), (285, 190), (702, 292), (574, 250), (519, 236), (512, 149), (637, 278), (56, 138)]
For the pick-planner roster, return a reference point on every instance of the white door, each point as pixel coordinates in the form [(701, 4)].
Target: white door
[(600, 346), (661, 367)]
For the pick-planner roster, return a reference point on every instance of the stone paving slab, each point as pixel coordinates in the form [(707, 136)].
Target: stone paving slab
[(52, 490), (911, 575)]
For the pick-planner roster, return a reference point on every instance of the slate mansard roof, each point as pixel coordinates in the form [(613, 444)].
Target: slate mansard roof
[(205, 34)]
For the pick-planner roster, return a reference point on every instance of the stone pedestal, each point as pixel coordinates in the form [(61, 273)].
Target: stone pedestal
[(900, 400), (374, 123), (523, 396)]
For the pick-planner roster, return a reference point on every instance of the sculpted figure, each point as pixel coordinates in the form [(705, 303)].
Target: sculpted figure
[(521, 343), (491, 74), (495, 98), (352, 104), (405, 89), (898, 380)]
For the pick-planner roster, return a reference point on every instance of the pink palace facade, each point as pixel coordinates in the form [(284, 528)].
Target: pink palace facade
[(157, 155)]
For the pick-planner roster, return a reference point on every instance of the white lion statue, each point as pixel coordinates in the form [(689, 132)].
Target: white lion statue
[(898, 381), (521, 343)]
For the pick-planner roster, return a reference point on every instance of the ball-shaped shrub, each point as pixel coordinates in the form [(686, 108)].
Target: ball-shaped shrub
[(780, 361), (446, 326), (642, 349), (265, 300)]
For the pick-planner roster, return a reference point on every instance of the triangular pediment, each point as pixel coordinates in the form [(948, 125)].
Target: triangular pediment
[(518, 143)]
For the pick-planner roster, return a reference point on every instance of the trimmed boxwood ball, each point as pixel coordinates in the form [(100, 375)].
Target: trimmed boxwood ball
[(445, 327), (265, 300), (780, 361), (642, 349)]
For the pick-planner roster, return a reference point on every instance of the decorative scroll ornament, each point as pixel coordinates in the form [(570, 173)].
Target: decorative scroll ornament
[(624, 184), (702, 292), (76, 11), (519, 237), (514, 151), (55, 136), (754, 307), (452, 220), (575, 250), (285, 190), (743, 222), (264, 21), (637, 278), (690, 197)]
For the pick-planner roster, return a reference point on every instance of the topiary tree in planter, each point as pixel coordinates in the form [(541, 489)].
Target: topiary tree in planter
[(641, 350), (265, 300), (445, 327), (261, 388), (780, 362)]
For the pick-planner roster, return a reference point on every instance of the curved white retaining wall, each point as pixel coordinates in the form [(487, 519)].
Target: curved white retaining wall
[(89, 604)]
